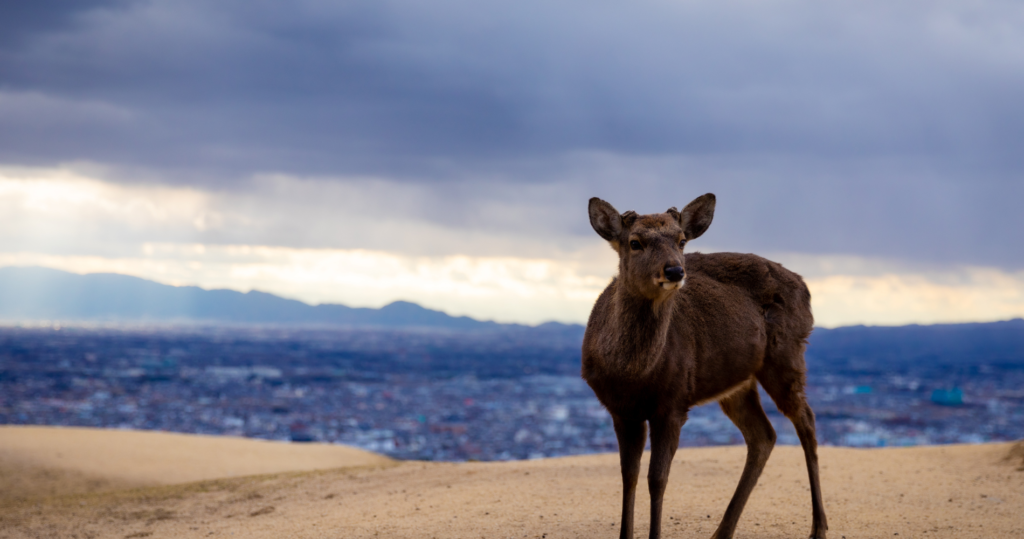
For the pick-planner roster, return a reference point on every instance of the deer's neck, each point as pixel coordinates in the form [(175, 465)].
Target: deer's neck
[(638, 342)]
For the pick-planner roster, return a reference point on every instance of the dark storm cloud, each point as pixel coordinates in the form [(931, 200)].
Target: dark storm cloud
[(324, 86), (26, 19), (866, 127)]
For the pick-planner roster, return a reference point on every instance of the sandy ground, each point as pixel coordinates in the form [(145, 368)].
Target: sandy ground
[(945, 492), (51, 460)]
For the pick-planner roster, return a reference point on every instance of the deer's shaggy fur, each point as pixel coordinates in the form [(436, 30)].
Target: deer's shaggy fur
[(657, 345)]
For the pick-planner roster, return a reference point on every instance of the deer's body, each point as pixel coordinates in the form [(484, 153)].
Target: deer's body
[(657, 345), (709, 338)]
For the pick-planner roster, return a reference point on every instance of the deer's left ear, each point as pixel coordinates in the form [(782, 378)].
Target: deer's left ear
[(696, 216), (606, 221)]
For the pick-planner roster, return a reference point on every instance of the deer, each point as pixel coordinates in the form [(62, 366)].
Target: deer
[(673, 331)]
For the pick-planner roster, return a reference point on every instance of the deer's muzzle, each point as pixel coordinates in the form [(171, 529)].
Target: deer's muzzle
[(674, 273)]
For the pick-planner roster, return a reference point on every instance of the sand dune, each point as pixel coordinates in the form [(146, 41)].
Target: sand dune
[(949, 491), (1016, 455), (55, 460)]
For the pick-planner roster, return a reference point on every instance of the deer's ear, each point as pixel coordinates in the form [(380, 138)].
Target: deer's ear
[(696, 216), (606, 220)]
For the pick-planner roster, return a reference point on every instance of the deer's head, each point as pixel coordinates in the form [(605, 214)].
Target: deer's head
[(650, 247)]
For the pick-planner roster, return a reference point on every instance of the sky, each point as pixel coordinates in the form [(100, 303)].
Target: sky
[(362, 152)]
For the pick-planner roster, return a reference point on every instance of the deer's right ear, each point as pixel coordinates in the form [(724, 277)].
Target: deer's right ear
[(697, 215), (606, 221)]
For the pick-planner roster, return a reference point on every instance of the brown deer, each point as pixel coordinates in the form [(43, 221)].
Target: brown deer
[(674, 331)]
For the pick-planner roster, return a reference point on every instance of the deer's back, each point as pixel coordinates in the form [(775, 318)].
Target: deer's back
[(743, 296), (780, 293)]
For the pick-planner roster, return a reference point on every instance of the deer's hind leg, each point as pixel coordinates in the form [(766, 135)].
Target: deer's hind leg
[(744, 409), (786, 388)]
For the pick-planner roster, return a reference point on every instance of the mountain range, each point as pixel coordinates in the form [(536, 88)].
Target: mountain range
[(43, 294)]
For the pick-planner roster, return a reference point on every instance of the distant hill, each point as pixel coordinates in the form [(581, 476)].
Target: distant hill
[(41, 294), (867, 348), (34, 293)]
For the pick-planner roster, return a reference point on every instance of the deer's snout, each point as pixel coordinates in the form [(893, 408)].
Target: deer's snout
[(674, 273)]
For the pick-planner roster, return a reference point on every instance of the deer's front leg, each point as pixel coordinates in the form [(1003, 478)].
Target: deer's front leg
[(664, 442), (632, 435)]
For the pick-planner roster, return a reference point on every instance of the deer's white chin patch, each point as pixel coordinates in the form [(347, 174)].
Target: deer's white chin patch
[(669, 285)]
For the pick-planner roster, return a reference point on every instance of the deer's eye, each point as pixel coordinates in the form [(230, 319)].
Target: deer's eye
[(635, 245), (682, 243)]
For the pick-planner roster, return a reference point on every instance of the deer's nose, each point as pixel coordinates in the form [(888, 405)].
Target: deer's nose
[(674, 273)]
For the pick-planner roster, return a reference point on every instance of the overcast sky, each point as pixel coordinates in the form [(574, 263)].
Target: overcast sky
[(443, 152)]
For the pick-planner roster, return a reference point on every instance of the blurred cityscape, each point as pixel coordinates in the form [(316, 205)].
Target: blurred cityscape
[(446, 395)]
